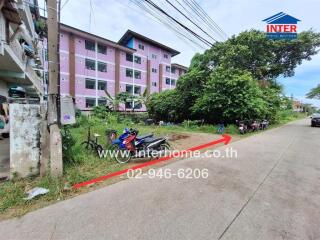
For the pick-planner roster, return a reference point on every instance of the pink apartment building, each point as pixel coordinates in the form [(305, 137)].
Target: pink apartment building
[(90, 64)]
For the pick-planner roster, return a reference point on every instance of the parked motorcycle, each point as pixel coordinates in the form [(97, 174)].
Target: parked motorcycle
[(243, 127), (264, 124), (129, 145), (254, 126)]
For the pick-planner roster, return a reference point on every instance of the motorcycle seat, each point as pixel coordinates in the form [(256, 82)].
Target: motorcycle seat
[(145, 136), (150, 139)]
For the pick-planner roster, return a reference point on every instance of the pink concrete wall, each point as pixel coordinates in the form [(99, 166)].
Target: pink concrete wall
[(175, 75), (64, 41), (64, 84), (64, 62), (81, 49)]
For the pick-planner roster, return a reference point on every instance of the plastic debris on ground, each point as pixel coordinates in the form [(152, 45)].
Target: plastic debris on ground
[(36, 192)]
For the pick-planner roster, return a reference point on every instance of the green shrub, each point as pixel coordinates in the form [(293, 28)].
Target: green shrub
[(68, 143), (190, 123), (101, 112)]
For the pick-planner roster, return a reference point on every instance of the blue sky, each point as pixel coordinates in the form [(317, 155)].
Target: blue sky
[(111, 18)]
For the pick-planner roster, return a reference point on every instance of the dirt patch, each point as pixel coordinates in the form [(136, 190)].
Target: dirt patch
[(175, 137), (187, 140)]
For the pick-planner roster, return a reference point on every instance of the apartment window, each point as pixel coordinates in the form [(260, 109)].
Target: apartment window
[(46, 77), (90, 102), (129, 88), (154, 56), (90, 45), (102, 49), (173, 82), (173, 70), (129, 104), (168, 68), (137, 105), (141, 46), (90, 64), (165, 55), (90, 83), (102, 85), (129, 72), (46, 55), (129, 57), (168, 81), (137, 90), (137, 74), (154, 84), (154, 70), (102, 102), (137, 59), (102, 67)]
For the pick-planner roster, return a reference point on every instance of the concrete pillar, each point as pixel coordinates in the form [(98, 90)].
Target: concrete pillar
[(148, 77), (160, 77), (117, 72)]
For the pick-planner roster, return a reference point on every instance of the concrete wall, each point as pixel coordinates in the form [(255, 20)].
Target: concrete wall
[(25, 123)]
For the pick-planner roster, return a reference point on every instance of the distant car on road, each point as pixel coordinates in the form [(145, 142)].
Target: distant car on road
[(315, 120)]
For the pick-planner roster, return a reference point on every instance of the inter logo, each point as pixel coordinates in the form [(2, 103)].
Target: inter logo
[(281, 26)]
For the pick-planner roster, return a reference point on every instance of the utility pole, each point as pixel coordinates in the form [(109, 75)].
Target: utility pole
[(56, 165)]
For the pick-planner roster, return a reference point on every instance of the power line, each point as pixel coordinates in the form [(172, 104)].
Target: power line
[(209, 18), (190, 20), (167, 22), (151, 3), (206, 21), (199, 19), (65, 3)]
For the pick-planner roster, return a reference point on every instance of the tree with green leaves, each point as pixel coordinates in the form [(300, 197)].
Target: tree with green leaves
[(235, 79), (230, 95), (314, 93), (266, 59)]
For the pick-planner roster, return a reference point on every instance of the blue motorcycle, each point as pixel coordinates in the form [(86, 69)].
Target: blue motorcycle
[(128, 144)]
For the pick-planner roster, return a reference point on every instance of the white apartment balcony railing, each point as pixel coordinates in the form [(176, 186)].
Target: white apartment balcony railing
[(36, 80), (14, 53), (25, 14), (17, 50)]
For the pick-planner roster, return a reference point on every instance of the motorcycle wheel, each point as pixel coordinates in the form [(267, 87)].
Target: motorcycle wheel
[(87, 145), (99, 150), (121, 155), (163, 148)]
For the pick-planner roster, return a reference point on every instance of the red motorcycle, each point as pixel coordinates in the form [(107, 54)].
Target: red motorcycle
[(140, 147)]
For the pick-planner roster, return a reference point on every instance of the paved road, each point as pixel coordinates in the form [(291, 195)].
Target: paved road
[(270, 191)]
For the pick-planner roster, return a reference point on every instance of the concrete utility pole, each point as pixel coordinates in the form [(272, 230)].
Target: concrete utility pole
[(56, 165)]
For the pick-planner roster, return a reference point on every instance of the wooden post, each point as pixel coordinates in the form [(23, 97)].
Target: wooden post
[(56, 165)]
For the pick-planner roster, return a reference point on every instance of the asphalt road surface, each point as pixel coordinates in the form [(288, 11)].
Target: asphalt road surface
[(271, 190)]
